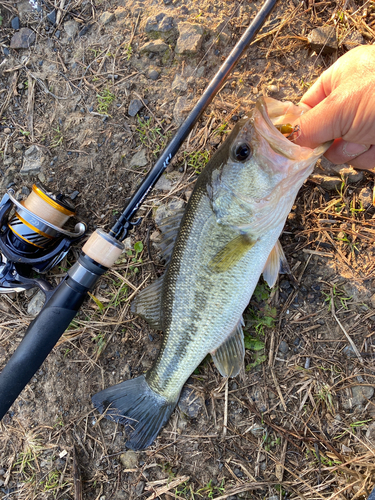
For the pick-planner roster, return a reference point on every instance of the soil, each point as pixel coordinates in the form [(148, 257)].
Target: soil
[(300, 420)]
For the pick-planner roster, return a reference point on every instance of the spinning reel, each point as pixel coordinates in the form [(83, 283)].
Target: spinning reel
[(32, 237)]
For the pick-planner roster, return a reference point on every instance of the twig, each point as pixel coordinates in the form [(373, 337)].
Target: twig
[(354, 347), (278, 389), (30, 106), (169, 486), (225, 423)]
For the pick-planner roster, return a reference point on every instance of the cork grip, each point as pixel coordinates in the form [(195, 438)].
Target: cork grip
[(102, 248)]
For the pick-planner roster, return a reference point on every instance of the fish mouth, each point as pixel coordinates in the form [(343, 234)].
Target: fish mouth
[(269, 112)]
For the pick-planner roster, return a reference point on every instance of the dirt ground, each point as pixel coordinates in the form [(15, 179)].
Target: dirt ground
[(301, 420)]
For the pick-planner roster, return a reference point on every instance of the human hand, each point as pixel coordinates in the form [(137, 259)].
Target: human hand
[(343, 109)]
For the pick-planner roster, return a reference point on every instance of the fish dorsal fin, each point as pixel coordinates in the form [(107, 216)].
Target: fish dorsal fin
[(231, 253), (276, 263), (147, 304), (169, 228), (228, 358)]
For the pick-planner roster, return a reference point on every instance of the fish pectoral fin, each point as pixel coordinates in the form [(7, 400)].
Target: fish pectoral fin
[(229, 357), (231, 253), (276, 263), (169, 228), (147, 304)]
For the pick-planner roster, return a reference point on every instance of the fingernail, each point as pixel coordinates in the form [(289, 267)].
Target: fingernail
[(352, 149)]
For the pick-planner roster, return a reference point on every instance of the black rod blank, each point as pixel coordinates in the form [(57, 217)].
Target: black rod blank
[(120, 229)]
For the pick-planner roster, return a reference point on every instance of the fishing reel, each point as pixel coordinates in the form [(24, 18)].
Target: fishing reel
[(32, 237)]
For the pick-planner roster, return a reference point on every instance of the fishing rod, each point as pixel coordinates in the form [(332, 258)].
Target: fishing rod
[(38, 224)]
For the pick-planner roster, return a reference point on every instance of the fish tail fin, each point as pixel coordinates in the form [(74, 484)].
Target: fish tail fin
[(141, 410)]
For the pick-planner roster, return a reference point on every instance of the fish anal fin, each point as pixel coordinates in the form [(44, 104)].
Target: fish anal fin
[(276, 263), (231, 253), (147, 304), (229, 357)]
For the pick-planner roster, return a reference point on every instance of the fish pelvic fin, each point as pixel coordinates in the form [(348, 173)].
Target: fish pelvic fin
[(229, 357), (276, 263), (169, 228), (147, 304), (141, 410), (231, 253)]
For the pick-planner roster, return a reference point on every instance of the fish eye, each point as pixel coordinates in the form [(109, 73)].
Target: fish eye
[(242, 151)]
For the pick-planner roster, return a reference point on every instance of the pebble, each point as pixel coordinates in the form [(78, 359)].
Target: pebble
[(129, 459), (139, 159), (74, 195), (161, 26), (190, 39), (179, 83), (121, 13), (190, 403), (155, 47), (106, 18), (71, 28), (323, 40), (348, 351), (134, 107), (164, 184), (32, 160), (181, 109), (7, 131), (283, 347), (23, 39), (15, 23), (51, 16), (139, 488), (36, 303), (153, 74), (366, 197), (326, 182), (353, 39)]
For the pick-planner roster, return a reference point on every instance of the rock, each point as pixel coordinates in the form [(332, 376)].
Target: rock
[(190, 39), (353, 39), (179, 83), (23, 39), (357, 291), (164, 184), (154, 47), (348, 351), (370, 434), (121, 13), (366, 197), (326, 182), (36, 303), (361, 394), (190, 403), (153, 74), (166, 210), (129, 459), (32, 160), (15, 23), (181, 109), (161, 26), (283, 347), (7, 131), (139, 489), (256, 430), (352, 176), (106, 18), (71, 28), (323, 40), (274, 497), (51, 16), (134, 107), (139, 159)]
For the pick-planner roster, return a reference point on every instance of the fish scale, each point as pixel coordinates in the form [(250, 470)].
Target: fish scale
[(227, 237)]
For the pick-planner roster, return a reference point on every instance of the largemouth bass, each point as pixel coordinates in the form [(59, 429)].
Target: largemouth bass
[(227, 237)]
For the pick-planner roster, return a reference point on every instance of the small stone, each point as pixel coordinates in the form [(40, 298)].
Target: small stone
[(154, 46), (323, 40), (153, 74), (283, 347), (348, 351), (32, 161), (164, 184), (51, 16), (139, 159), (129, 459), (190, 39), (23, 39), (326, 182), (366, 197), (370, 434), (7, 131), (161, 26), (15, 23), (134, 107), (106, 18), (74, 195), (179, 83), (352, 176), (353, 39), (181, 109), (121, 13), (272, 88), (18, 145), (274, 497), (36, 303), (71, 28), (190, 403), (139, 488)]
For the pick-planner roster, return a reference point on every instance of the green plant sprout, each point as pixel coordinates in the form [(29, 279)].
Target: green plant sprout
[(197, 160), (105, 99), (338, 297), (135, 255), (210, 489), (151, 136), (57, 138), (128, 51)]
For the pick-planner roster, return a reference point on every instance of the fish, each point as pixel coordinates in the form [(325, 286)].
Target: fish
[(216, 251)]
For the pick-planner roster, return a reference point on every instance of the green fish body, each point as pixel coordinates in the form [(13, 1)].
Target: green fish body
[(227, 237)]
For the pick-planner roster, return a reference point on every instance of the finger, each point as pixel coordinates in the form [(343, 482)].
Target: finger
[(315, 94), (357, 155)]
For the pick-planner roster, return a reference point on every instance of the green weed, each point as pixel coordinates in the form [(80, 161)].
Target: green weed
[(101, 342), (105, 100), (128, 51), (197, 160), (210, 490), (52, 483), (337, 296), (135, 256), (222, 129), (57, 138), (151, 136)]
